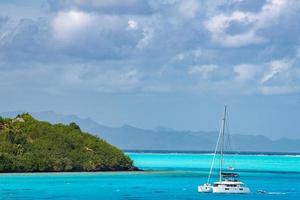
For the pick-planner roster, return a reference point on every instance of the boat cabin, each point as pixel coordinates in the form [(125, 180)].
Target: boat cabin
[(232, 177)]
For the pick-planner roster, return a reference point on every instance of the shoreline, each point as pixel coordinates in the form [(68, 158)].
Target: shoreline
[(210, 152), (53, 172)]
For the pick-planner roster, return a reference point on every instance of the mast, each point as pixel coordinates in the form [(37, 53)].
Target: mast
[(222, 141)]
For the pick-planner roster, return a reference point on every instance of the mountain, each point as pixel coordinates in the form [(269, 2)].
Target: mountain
[(29, 145), (131, 138)]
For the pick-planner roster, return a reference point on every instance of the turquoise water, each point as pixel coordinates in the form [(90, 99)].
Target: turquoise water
[(168, 176)]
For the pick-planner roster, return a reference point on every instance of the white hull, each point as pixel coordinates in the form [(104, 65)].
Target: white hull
[(226, 187), (205, 188), (233, 190), (223, 190)]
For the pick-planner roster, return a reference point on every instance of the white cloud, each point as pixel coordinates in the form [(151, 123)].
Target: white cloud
[(169, 47), (68, 24), (148, 34), (270, 78), (103, 6), (101, 79), (102, 3), (246, 72), (203, 71), (240, 39), (117, 80), (132, 25), (194, 56), (276, 68), (220, 24), (189, 8), (271, 11)]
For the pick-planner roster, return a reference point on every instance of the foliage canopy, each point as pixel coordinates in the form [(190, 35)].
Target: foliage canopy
[(29, 145)]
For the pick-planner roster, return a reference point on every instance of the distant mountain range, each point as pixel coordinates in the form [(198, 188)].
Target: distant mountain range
[(132, 138)]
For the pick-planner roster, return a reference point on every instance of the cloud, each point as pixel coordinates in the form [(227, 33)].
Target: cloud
[(189, 8), (270, 78), (132, 25), (203, 71), (103, 79), (246, 72), (118, 81), (25, 40), (148, 34), (103, 6), (67, 25), (94, 36), (68, 36), (275, 77), (220, 24), (276, 68), (71, 77), (170, 46)]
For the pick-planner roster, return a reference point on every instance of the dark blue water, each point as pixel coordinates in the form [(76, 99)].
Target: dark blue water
[(170, 176)]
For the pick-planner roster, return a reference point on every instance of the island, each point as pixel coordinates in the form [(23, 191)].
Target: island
[(30, 145)]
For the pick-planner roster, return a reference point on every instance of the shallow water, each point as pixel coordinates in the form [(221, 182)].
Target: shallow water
[(170, 176)]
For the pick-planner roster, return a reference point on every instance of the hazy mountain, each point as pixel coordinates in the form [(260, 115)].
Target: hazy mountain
[(129, 137)]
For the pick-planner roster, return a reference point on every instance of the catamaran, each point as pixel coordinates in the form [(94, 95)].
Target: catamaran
[(228, 180)]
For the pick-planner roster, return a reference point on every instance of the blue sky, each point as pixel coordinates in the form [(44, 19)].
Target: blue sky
[(155, 62)]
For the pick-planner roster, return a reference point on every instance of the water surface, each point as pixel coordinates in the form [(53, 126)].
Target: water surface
[(168, 176)]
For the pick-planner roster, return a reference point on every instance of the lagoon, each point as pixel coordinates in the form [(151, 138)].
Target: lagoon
[(166, 176)]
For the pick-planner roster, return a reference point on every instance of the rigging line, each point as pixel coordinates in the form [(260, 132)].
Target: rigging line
[(214, 157)]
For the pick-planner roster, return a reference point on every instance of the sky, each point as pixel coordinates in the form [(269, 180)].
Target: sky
[(155, 63)]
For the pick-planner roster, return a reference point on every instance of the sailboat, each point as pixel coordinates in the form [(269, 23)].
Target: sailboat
[(228, 180)]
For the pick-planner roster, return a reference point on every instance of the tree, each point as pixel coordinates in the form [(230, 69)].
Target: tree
[(33, 145)]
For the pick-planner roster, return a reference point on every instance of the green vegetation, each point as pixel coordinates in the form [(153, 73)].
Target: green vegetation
[(29, 145)]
